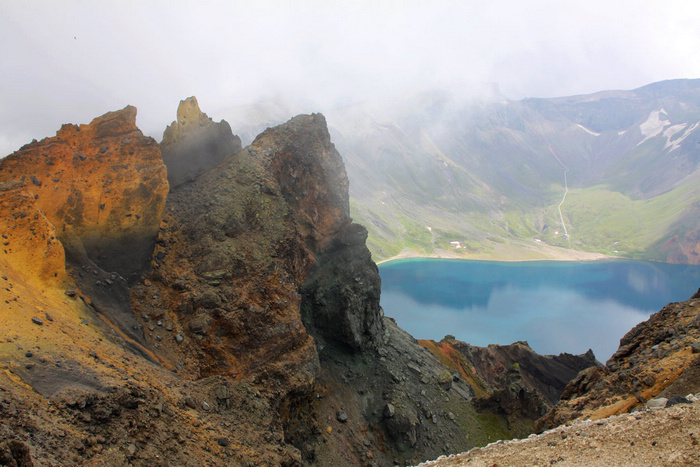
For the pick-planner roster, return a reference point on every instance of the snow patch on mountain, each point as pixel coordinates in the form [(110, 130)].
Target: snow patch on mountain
[(654, 125), (675, 144)]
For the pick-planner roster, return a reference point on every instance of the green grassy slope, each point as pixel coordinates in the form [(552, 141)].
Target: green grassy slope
[(597, 218), (612, 223)]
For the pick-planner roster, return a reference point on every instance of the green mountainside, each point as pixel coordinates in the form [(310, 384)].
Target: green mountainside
[(469, 173)]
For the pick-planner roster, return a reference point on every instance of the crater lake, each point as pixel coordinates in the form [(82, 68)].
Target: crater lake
[(556, 306)]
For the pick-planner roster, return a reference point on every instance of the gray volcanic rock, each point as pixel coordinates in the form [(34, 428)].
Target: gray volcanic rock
[(548, 374), (252, 334), (341, 296), (194, 144)]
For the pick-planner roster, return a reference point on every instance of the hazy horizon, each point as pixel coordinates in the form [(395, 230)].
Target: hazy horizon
[(72, 61)]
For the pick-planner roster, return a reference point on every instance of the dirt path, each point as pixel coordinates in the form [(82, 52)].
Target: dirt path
[(566, 192)]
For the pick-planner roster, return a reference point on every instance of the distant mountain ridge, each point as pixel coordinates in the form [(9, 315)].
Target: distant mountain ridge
[(473, 174)]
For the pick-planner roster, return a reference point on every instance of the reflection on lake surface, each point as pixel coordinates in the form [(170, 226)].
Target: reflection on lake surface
[(555, 306)]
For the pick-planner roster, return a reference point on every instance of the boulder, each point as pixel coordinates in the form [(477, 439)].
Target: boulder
[(656, 404)]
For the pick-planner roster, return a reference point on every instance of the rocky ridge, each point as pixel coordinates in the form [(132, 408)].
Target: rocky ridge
[(102, 186), (195, 144), (232, 318), (658, 357), (511, 380)]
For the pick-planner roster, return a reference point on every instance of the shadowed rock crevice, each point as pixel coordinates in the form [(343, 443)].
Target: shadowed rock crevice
[(15, 453)]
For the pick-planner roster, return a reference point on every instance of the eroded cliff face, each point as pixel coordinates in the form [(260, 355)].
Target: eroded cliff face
[(512, 380), (102, 186)]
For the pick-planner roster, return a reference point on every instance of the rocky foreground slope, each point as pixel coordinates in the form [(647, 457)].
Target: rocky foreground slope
[(649, 438), (230, 316)]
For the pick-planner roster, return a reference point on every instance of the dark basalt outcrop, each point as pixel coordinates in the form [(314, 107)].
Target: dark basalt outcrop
[(194, 144), (240, 243), (259, 255), (547, 374), (512, 380), (340, 299)]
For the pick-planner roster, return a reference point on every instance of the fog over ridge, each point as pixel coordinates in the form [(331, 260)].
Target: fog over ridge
[(73, 61)]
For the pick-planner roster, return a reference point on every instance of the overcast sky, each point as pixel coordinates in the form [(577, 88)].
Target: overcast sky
[(69, 61)]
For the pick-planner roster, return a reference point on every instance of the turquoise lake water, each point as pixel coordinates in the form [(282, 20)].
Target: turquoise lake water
[(556, 306)]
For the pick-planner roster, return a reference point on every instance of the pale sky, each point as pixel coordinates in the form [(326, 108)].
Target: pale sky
[(70, 61)]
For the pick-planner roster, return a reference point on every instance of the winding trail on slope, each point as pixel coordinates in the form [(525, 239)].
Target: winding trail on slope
[(566, 191)]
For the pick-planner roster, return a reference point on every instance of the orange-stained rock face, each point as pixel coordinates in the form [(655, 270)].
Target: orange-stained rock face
[(29, 247), (103, 187)]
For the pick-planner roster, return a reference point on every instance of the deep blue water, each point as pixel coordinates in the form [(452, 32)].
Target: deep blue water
[(556, 306)]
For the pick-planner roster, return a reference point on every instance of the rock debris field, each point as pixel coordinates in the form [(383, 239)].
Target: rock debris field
[(652, 437)]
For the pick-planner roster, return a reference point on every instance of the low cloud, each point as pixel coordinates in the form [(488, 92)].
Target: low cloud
[(72, 61)]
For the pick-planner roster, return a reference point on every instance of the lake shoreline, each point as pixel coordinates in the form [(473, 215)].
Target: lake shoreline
[(553, 255)]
